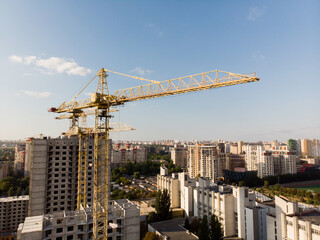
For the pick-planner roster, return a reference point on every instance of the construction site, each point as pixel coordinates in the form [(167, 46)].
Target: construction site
[(75, 170)]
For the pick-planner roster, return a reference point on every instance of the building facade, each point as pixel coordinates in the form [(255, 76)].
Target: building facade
[(123, 218), (179, 155), (54, 174), (13, 211)]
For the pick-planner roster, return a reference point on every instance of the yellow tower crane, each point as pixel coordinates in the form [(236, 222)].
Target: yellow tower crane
[(102, 102)]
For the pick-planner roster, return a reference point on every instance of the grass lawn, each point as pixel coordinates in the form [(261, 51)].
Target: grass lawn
[(312, 188)]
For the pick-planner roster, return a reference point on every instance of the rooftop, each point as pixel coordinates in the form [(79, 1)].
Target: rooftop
[(14, 198), (173, 229), (312, 215)]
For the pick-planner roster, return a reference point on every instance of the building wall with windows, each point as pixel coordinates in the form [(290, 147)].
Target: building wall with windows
[(68, 225), (13, 211), (54, 174)]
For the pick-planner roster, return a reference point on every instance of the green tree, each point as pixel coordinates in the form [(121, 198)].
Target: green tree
[(19, 191), (152, 217), (241, 183), (11, 192), (216, 228), (163, 205), (136, 175), (266, 184), (204, 230)]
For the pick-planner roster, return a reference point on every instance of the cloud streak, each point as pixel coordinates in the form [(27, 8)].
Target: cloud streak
[(254, 13), (141, 71), (51, 65), (37, 94)]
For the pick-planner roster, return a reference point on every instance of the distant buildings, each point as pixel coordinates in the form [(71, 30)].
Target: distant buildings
[(310, 148), (123, 153), (4, 169), (19, 157), (275, 161), (179, 155)]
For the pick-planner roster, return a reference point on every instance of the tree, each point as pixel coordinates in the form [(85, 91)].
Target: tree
[(11, 192), (266, 184), (186, 223), (195, 225), (241, 183), (18, 191), (136, 175), (204, 230), (163, 205), (152, 217), (216, 232)]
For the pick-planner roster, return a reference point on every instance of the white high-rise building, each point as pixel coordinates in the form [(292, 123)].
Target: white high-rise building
[(203, 161), (275, 161)]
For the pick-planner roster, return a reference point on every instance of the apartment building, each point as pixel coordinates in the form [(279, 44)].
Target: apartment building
[(121, 154), (171, 183), (13, 211), (275, 161), (4, 169), (19, 157), (179, 155), (54, 174), (123, 218), (203, 161), (310, 148)]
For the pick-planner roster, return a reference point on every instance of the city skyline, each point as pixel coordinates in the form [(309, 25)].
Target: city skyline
[(52, 49)]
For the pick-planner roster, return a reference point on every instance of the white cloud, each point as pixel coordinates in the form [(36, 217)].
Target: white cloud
[(254, 13), (37, 94), (52, 65), (15, 59), (141, 71)]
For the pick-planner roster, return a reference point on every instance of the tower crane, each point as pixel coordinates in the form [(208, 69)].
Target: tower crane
[(102, 102)]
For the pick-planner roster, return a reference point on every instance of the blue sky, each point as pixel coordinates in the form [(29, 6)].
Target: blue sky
[(50, 49)]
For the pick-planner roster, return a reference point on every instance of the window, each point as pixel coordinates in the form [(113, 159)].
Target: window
[(59, 230), (70, 228)]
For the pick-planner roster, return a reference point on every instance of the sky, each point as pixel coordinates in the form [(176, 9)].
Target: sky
[(50, 49)]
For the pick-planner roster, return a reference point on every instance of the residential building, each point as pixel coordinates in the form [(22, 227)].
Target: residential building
[(123, 214), (123, 153), (275, 161), (54, 174), (171, 183), (4, 169), (203, 161), (256, 225), (19, 157), (179, 155), (310, 148), (13, 211)]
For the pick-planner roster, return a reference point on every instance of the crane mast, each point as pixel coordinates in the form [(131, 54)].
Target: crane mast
[(101, 103)]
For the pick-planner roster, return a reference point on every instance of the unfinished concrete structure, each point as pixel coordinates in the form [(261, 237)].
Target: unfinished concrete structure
[(13, 211), (54, 174), (123, 218)]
